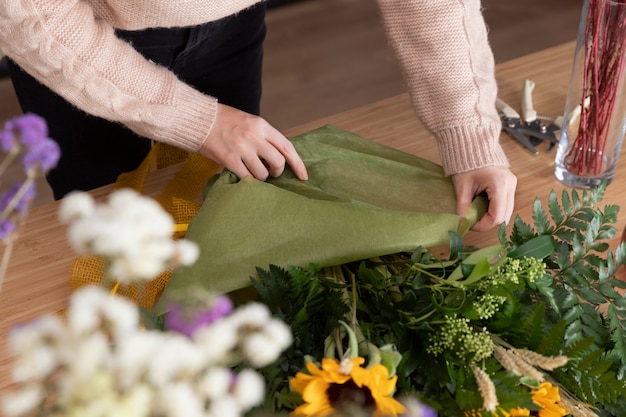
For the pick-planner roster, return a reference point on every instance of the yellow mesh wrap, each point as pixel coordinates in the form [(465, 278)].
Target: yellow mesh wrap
[(180, 198)]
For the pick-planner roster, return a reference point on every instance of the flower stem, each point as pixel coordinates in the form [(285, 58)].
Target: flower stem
[(6, 256), (605, 31)]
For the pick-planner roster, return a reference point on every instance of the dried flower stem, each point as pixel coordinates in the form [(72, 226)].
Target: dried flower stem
[(549, 363), (516, 364), (486, 387), (17, 197), (4, 265), (605, 30)]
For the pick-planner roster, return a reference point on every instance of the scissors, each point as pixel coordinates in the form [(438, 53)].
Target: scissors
[(528, 129)]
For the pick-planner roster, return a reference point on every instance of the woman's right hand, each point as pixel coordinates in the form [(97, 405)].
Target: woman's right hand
[(248, 145)]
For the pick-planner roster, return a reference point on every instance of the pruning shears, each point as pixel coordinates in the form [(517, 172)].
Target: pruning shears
[(528, 129)]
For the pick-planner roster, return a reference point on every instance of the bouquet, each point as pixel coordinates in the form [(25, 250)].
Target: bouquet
[(531, 326)]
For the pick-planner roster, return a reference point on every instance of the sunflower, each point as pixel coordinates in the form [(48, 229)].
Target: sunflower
[(547, 397), (342, 384)]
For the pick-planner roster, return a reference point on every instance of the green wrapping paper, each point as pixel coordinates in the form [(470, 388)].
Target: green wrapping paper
[(361, 200)]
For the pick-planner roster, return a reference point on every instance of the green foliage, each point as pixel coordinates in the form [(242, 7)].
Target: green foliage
[(312, 305), (583, 269), (549, 287)]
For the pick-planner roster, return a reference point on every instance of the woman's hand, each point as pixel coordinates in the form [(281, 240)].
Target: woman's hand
[(249, 145), (498, 182)]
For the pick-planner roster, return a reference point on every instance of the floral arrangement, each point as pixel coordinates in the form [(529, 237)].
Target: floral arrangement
[(100, 360), (532, 326)]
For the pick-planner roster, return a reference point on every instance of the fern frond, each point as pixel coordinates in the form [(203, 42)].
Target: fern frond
[(556, 212), (540, 219)]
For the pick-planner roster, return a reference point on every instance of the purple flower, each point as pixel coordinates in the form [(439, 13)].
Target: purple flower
[(177, 320), (8, 142), (415, 408), (32, 131), (43, 154), (6, 228), (7, 196), (30, 127), (428, 412)]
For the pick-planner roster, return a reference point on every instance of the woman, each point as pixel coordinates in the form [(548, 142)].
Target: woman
[(187, 73)]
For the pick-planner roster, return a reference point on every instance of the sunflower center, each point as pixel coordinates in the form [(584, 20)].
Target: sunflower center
[(350, 395)]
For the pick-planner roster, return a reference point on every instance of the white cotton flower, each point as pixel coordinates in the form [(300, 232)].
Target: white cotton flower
[(52, 329), (179, 400), (89, 355), (135, 353), (144, 265), (92, 307), (76, 205), (279, 332), (35, 364), (226, 406), (188, 252), (217, 340), (84, 304), (111, 239), (38, 346), (148, 215), (259, 349), (81, 233), (249, 389), (263, 345), (215, 383), (94, 396), (251, 315), (22, 402), (132, 232), (178, 357), (135, 403)]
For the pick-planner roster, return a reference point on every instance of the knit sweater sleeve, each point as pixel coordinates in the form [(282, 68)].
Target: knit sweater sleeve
[(76, 54), (448, 65)]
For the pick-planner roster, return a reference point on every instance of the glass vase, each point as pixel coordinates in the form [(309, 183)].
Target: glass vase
[(595, 109)]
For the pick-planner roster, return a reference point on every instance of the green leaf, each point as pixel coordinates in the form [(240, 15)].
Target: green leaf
[(552, 342), (502, 234), (456, 244), (578, 250), (539, 247), (544, 285), (530, 329), (573, 313), (555, 209), (573, 332), (576, 200), (566, 202), (540, 218), (521, 231), (489, 254), (579, 348), (591, 296), (479, 271)]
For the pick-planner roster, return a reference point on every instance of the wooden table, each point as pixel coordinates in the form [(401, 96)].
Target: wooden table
[(37, 276)]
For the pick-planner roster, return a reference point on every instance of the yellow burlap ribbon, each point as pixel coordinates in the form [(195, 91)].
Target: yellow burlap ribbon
[(180, 198)]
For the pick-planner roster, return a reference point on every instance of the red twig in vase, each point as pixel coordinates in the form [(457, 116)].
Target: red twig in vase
[(605, 35)]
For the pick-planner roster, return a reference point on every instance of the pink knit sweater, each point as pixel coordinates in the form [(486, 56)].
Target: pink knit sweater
[(70, 46)]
